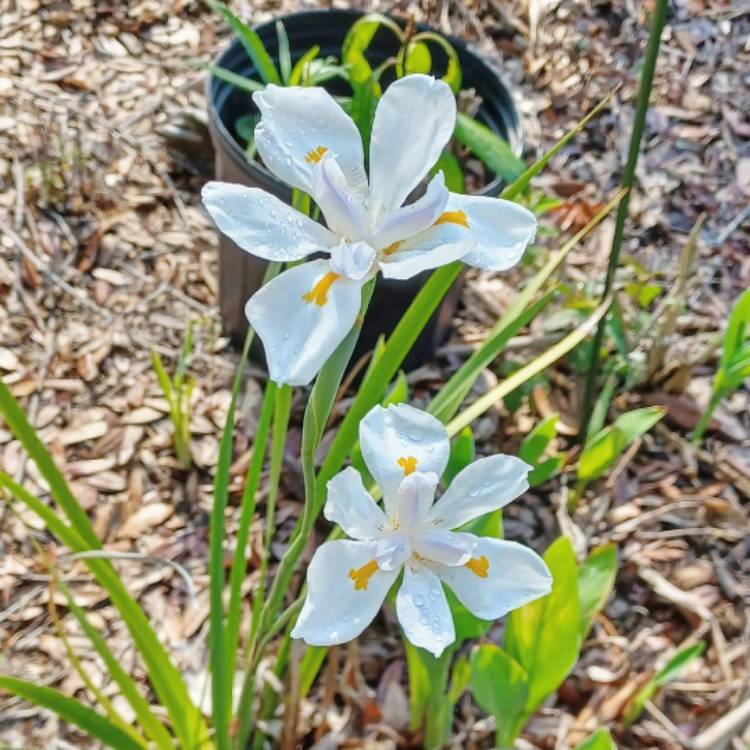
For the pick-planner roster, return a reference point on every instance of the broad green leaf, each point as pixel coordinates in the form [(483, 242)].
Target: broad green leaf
[(453, 74), (501, 688), (358, 39), (285, 57), (460, 678), (362, 108), (738, 329), (535, 443), (310, 665), (600, 740), (544, 470), (596, 579), (668, 672), (638, 422), (544, 636), (461, 455), (420, 685), (418, 58), (252, 44), (451, 169), (486, 145), (600, 453), (467, 625), (68, 709)]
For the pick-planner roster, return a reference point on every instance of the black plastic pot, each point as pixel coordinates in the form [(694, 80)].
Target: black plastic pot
[(240, 273)]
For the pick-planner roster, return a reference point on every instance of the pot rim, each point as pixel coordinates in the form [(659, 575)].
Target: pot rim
[(236, 153)]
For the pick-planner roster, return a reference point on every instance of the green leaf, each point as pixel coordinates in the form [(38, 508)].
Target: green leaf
[(285, 58), (638, 422), (544, 636), (486, 145), (453, 74), (451, 169), (310, 665), (461, 455), (70, 710), (596, 579), (80, 536), (668, 672), (600, 740), (301, 69), (738, 330), (238, 81), (600, 453), (358, 39), (418, 58), (252, 44), (536, 442), (544, 470), (501, 688)]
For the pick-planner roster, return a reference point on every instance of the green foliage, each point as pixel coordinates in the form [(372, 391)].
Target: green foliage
[(177, 391), (534, 447), (486, 145), (734, 366), (602, 449), (596, 579), (668, 672), (600, 740), (463, 451)]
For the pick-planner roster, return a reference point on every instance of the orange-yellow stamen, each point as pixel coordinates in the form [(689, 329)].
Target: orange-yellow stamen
[(319, 293), (453, 217), (392, 248), (408, 464), (314, 156), (361, 576), (479, 566)]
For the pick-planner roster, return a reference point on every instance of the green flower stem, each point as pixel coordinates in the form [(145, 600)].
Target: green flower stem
[(705, 419), (628, 178)]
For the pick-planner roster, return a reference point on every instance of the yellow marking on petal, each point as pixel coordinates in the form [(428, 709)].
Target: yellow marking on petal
[(319, 293), (361, 576), (314, 156), (408, 464), (453, 217), (392, 248), (479, 566)]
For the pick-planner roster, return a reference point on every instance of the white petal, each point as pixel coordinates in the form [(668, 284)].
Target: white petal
[(262, 224), (401, 439), (343, 209), (354, 261), (350, 505), (423, 610), (335, 611), (500, 229), (413, 499), (299, 335), (413, 122), (446, 547), (413, 218), (300, 124), (483, 486), (512, 576), (435, 247), (392, 550)]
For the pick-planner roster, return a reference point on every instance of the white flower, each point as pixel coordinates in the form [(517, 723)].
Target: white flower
[(309, 142), (406, 450)]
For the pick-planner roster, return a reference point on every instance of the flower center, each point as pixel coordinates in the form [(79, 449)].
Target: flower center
[(361, 576), (319, 293), (314, 156), (453, 217), (479, 566), (408, 464)]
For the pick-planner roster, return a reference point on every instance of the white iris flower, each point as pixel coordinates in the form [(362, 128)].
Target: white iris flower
[(308, 141), (406, 450)]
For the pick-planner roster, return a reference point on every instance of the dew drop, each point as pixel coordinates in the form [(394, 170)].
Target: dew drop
[(419, 600), (414, 434)]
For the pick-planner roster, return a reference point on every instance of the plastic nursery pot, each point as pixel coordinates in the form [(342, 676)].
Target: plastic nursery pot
[(240, 273)]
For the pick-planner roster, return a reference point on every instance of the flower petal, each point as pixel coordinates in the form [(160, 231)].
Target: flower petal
[(302, 316), (413, 218), (435, 247), (399, 440), (413, 499), (500, 229), (500, 577), (262, 224), (413, 121), (350, 505), (483, 486), (343, 209), (423, 610), (354, 261), (345, 589), (446, 547), (298, 126)]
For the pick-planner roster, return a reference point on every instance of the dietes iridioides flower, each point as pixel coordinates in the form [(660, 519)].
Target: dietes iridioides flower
[(406, 451), (307, 140)]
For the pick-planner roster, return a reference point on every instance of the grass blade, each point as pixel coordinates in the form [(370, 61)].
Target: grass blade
[(72, 711), (488, 146)]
